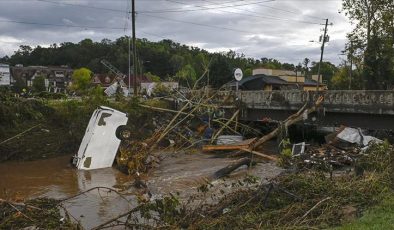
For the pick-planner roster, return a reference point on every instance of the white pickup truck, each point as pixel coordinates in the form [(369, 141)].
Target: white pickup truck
[(106, 129)]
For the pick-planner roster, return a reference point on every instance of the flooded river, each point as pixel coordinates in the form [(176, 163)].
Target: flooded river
[(56, 178)]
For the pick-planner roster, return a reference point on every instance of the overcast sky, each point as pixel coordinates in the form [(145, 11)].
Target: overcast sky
[(280, 29)]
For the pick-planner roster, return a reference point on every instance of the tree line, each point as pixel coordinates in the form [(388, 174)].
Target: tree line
[(164, 60), (370, 45)]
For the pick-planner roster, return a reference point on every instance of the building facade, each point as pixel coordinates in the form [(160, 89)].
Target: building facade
[(5, 76), (57, 78)]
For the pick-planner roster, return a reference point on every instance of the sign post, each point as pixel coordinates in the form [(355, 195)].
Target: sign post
[(238, 76)]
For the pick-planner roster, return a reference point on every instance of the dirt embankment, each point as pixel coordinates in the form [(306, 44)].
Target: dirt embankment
[(38, 128)]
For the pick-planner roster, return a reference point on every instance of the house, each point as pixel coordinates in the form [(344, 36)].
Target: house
[(103, 80), (108, 80), (292, 77), (5, 77), (265, 82), (57, 78)]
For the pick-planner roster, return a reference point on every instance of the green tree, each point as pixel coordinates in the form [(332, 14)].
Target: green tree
[(341, 79), (327, 70), (152, 77), (187, 75), (306, 67), (81, 80), (372, 40), (39, 84), (19, 85)]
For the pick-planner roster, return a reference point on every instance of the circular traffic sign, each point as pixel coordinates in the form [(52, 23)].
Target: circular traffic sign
[(238, 74)]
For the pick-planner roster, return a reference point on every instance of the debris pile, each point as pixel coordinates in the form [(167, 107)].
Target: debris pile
[(343, 148), (306, 199), (39, 213)]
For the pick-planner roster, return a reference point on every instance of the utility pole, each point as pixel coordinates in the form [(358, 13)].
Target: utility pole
[(134, 48), (129, 67), (351, 65), (321, 55)]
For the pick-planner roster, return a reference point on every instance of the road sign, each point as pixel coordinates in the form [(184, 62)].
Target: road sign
[(238, 74)]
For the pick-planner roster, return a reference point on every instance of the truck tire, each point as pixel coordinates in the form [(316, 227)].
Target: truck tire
[(123, 133)]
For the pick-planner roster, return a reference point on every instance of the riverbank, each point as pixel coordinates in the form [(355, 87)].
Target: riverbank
[(181, 189), (36, 128)]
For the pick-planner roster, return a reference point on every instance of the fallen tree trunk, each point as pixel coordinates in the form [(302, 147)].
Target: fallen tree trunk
[(230, 168), (289, 121)]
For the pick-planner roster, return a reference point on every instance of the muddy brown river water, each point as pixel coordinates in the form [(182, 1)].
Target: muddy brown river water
[(56, 178)]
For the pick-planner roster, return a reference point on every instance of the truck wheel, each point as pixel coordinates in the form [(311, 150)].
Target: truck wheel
[(123, 133)]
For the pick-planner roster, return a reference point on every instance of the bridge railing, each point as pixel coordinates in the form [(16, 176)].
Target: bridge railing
[(371, 101)]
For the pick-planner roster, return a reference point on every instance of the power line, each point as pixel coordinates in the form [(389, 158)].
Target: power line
[(156, 35), (213, 8), (204, 7), (197, 24), (288, 11), (274, 8), (60, 25), (249, 15), (83, 6)]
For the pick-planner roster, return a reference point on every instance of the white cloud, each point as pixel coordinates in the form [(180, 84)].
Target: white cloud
[(279, 29)]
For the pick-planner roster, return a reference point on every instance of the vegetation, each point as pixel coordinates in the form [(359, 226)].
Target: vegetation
[(39, 213), (39, 84), (302, 199), (56, 127), (371, 42), (165, 59), (82, 80), (379, 217)]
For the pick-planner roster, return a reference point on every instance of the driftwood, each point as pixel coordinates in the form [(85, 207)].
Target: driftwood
[(237, 146), (163, 109), (19, 134), (310, 210), (226, 125), (14, 206), (101, 226), (223, 124), (19, 204), (230, 168), (265, 156), (289, 121)]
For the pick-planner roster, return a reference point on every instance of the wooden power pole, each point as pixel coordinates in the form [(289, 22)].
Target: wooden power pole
[(134, 49), (351, 65), (321, 55)]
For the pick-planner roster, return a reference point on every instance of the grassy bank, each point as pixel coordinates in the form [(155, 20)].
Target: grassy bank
[(298, 199), (379, 217)]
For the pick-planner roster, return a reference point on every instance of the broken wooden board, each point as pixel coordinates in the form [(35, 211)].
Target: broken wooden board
[(268, 157), (237, 146)]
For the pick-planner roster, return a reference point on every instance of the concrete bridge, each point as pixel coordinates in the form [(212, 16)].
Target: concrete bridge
[(366, 109)]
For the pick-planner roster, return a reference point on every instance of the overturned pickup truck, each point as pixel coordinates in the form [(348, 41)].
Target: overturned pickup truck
[(106, 129)]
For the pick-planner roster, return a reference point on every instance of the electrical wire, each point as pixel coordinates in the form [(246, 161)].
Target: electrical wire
[(251, 15), (274, 8), (197, 24), (83, 6), (188, 10), (60, 25)]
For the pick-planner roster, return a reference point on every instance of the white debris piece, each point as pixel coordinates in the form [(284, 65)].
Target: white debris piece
[(355, 136), (229, 139)]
